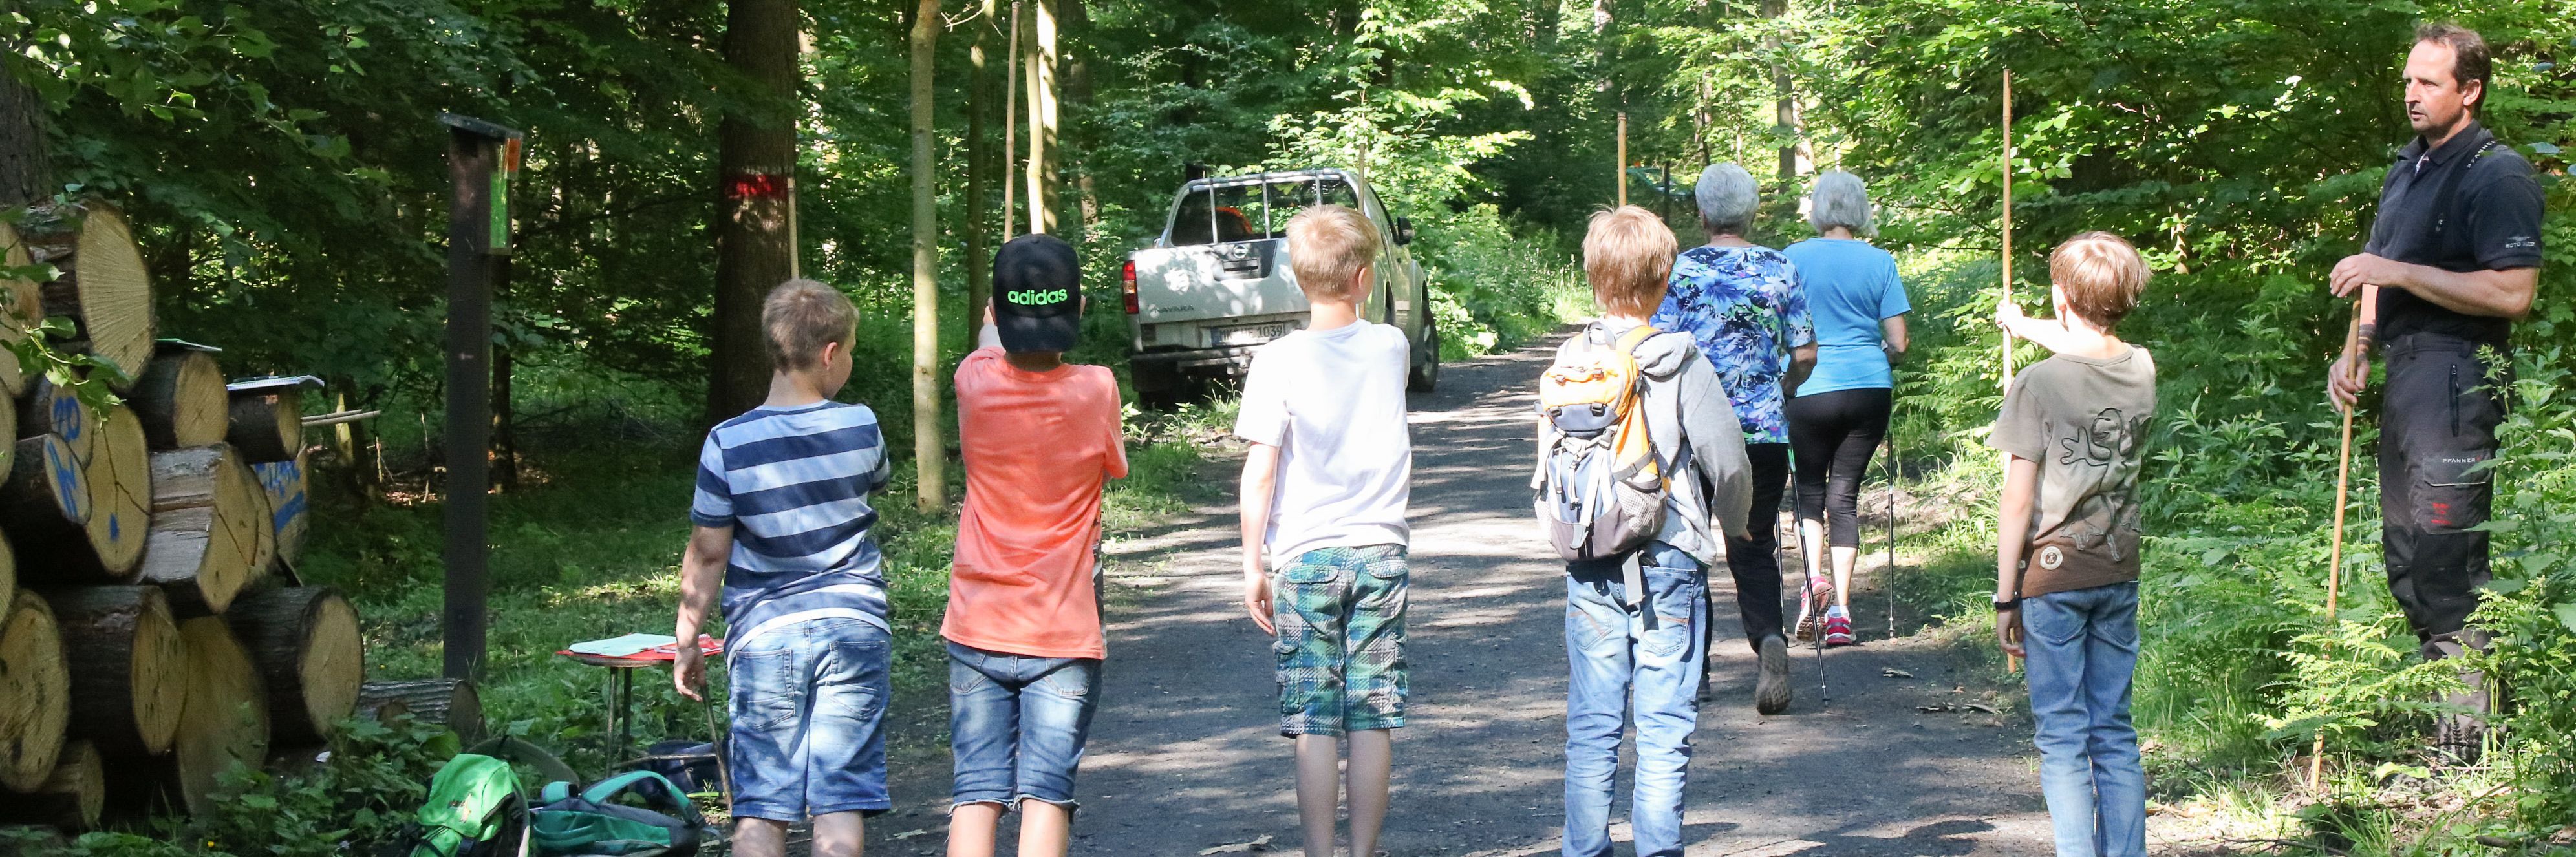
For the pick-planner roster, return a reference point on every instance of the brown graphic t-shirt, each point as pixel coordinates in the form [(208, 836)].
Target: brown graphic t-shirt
[(2085, 421)]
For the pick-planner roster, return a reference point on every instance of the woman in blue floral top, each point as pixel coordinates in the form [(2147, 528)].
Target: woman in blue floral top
[(1745, 306)]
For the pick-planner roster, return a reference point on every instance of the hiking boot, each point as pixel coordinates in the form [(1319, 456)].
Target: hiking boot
[(1771, 691), (1838, 629), (2461, 735)]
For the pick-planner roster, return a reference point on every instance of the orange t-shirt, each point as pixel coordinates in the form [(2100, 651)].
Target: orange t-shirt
[(1039, 446)]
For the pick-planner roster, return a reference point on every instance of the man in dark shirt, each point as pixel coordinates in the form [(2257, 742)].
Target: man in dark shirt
[(2455, 256)]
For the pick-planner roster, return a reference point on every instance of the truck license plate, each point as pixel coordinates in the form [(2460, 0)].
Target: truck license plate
[(1251, 334)]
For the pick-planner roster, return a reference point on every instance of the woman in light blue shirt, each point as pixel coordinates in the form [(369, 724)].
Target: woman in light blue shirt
[(1838, 414)]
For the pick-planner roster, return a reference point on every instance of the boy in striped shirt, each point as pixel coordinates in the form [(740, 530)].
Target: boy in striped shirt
[(783, 531)]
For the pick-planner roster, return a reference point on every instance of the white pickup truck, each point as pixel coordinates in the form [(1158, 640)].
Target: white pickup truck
[(1216, 285)]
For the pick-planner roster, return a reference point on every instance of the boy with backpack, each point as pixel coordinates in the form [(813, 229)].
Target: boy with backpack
[(1641, 477), (1324, 492), (784, 533), (2073, 428), (1023, 625)]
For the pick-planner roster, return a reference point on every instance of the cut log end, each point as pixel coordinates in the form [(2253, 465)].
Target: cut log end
[(266, 424), (306, 642), (120, 484), (103, 285), (20, 307), (128, 666), (284, 482), (182, 401), (209, 538), (35, 694), (56, 410), (45, 506), (225, 721), (71, 797)]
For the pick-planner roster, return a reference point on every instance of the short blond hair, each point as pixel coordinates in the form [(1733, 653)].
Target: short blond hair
[(1628, 256), (800, 317), (1328, 247), (2102, 275)]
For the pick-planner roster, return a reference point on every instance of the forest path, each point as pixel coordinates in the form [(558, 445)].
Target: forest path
[(1185, 753)]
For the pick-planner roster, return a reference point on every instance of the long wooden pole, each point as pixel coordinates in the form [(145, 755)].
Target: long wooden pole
[(2011, 664), (2352, 349), (929, 448), (1621, 174), (1011, 129)]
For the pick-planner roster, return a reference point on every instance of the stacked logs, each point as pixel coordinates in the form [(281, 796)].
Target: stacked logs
[(150, 637)]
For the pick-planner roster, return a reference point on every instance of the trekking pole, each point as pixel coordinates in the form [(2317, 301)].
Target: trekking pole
[(2352, 347), (1806, 600), (1890, 585)]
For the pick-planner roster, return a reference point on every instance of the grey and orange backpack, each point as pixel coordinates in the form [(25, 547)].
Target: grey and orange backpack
[(1600, 485)]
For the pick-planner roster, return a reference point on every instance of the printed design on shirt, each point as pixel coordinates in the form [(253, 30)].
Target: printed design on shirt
[(2521, 242), (1745, 308), (2099, 460)]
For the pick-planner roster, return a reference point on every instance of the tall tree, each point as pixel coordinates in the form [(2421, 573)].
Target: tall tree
[(1043, 158), (929, 446), (24, 174), (980, 161), (756, 161)]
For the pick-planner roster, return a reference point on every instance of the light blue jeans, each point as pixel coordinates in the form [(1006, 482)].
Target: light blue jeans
[(2083, 646), (1641, 659)]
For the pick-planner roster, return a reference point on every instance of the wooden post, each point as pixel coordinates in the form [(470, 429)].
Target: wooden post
[(476, 230), (1042, 121), (1010, 131), (1620, 175), (929, 449)]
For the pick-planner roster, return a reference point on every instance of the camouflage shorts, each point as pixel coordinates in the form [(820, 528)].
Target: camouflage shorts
[(1340, 613)]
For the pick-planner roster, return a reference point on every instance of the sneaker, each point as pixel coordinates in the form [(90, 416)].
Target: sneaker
[(1771, 691), (1838, 630), (1819, 592)]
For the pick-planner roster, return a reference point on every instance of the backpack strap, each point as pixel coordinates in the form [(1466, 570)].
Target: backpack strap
[(555, 792), (649, 785), (512, 749)]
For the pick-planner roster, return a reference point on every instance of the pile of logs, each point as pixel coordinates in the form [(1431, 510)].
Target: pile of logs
[(152, 630)]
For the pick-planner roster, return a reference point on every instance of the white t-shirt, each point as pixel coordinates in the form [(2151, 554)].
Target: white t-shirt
[(1333, 402)]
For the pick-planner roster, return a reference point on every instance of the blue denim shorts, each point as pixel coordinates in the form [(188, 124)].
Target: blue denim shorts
[(1016, 724), (808, 705)]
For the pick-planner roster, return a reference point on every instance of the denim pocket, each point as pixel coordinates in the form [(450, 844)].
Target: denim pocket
[(766, 688), (2050, 622), (1675, 594)]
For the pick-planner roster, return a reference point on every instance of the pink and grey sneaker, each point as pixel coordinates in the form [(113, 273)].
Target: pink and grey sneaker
[(1818, 593), (1838, 628)]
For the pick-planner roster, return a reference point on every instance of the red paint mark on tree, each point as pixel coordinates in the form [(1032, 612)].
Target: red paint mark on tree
[(755, 186)]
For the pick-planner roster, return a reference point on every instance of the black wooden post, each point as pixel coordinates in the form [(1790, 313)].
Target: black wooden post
[(480, 159)]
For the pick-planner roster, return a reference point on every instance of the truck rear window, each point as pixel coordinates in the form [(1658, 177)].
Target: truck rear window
[(1252, 212)]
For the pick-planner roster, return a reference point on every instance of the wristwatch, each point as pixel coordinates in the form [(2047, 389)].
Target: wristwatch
[(2003, 604)]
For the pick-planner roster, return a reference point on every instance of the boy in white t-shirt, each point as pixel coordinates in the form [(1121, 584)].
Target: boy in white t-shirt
[(1324, 491)]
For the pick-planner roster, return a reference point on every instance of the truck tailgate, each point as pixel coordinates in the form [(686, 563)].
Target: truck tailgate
[(1215, 281)]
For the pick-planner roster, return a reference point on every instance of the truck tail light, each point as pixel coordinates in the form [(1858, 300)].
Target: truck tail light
[(1127, 275)]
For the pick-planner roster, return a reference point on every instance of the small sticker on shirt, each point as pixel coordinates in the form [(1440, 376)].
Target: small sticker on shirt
[(2050, 557)]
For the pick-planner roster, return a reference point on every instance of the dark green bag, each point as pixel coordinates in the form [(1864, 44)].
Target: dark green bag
[(593, 823)]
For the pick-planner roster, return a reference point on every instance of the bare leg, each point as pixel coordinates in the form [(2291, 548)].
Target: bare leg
[(839, 834), (1319, 786), (759, 837), (1811, 545), (971, 829), (1046, 830), (1844, 560), (1372, 765)]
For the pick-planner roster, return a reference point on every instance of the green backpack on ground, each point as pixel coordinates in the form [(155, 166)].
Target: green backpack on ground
[(594, 824), (473, 810)]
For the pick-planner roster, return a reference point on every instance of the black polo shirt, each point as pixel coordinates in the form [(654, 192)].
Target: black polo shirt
[(2493, 224)]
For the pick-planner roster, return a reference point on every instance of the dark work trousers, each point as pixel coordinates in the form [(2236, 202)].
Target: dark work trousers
[(2437, 422), (1834, 435), (1756, 561)]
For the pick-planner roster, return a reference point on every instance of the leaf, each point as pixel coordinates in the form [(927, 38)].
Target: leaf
[(2543, 149), (2566, 614)]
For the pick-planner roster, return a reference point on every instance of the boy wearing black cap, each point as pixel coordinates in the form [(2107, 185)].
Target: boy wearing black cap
[(1041, 438)]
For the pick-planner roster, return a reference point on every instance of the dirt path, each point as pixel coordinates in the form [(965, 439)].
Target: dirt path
[(1185, 756)]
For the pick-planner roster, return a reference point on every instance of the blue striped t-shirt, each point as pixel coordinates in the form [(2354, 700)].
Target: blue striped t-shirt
[(793, 484)]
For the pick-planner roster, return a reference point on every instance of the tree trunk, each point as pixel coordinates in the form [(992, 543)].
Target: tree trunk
[(224, 723), (504, 451), (22, 304), (26, 174), (929, 450), (103, 285), (71, 798), (35, 693), (447, 702), (284, 483), (756, 159), (1040, 59), (979, 169), (44, 505), (305, 640), (266, 423), (127, 666), (210, 534), (181, 400), (1077, 90)]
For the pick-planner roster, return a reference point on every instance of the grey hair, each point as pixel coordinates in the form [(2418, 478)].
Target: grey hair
[(1727, 197), (1839, 199)]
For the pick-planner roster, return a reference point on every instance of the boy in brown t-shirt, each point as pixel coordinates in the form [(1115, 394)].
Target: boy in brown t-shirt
[(2066, 556)]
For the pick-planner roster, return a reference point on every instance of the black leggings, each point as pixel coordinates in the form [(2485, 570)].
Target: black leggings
[(1832, 436)]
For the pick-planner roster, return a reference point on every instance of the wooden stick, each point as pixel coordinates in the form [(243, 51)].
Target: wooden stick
[(2352, 348), (1621, 175), (2011, 664), (1010, 127)]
